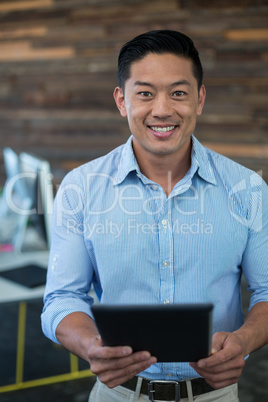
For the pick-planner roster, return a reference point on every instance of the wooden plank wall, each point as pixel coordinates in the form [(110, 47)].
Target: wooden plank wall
[(58, 71)]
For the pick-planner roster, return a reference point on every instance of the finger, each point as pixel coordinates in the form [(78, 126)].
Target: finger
[(224, 379), (236, 363), (220, 370), (115, 351), (222, 384), (133, 359), (99, 340), (97, 351), (229, 354), (221, 379), (103, 365), (114, 378), (218, 341)]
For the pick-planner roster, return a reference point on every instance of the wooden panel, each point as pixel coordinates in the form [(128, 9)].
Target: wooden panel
[(24, 5), (222, 4), (22, 50), (58, 62), (247, 34), (24, 32), (238, 150)]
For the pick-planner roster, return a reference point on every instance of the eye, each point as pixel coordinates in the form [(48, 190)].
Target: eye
[(146, 94), (178, 93)]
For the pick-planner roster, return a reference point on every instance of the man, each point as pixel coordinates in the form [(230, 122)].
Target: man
[(160, 219)]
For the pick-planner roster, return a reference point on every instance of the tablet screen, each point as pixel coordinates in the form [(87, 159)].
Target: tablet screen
[(171, 333)]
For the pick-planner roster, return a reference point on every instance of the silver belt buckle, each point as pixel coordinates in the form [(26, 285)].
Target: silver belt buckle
[(151, 389)]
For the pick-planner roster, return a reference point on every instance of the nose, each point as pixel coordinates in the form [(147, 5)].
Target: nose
[(161, 107)]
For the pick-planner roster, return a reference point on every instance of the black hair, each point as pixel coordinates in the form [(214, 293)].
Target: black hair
[(158, 42)]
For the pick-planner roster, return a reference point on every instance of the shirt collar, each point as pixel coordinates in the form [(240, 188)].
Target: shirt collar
[(201, 159), (200, 162), (127, 163)]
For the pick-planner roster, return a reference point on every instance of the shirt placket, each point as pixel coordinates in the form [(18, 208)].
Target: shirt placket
[(167, 280)]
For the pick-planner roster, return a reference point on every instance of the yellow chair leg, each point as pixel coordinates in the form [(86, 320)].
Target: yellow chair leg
[(21, 342)]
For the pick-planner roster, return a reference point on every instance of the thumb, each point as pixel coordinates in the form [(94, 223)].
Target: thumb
[(99, 340), (218, 340)]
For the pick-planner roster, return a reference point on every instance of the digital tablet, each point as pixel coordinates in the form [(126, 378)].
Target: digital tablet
[(171, 333)]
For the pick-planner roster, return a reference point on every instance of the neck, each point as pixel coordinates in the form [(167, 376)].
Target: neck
[(166, 170)]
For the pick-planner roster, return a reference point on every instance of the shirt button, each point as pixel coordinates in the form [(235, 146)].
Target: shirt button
[(166, 301), (165, 263), (164, 223), (154, 187)]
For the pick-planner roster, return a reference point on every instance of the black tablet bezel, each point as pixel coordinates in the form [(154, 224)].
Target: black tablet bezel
[(171, 333)]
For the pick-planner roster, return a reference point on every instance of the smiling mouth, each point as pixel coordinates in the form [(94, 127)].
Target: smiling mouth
[(162, 129)]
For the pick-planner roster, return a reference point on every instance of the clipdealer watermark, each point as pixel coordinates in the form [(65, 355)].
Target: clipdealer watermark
[(132, 195), (21, 193), (133, 226)]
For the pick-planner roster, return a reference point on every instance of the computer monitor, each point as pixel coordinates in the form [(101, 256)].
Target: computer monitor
[(27, 198), (14, 197), (38, 180)]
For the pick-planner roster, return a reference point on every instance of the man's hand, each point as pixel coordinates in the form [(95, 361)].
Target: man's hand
[(115, 365), (224, 366)]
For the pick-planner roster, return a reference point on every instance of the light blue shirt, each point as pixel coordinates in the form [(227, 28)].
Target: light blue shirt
[(116, 229)]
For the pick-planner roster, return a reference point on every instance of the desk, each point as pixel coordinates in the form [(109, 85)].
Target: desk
[(13, 292)]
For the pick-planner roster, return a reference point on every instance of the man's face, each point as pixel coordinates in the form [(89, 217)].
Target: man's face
[(161, 101)]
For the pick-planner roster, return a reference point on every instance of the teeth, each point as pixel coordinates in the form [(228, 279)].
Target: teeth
[(162, 129)]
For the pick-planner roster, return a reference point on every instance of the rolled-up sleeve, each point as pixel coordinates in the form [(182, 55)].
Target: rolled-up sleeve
[(70, 269), (255, 257)]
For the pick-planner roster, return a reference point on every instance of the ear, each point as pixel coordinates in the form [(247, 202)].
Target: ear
[(120, 101), (201, 100)]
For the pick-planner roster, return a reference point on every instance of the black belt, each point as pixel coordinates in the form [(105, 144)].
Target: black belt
[(168, 390)]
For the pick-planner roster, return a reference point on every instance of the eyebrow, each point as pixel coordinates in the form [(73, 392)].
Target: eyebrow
[(174, 84)]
